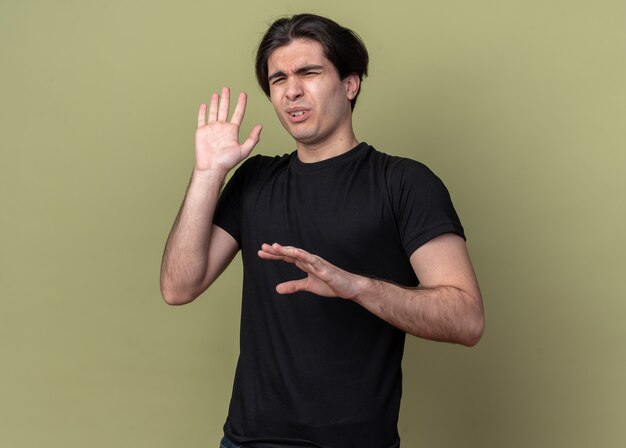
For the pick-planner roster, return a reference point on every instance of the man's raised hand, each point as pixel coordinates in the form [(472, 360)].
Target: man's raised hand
[(217, 139)]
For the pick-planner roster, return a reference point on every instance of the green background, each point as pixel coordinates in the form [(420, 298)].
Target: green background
[(519, 106)]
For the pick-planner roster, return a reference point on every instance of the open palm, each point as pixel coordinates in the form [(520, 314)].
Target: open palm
[(217, 139)]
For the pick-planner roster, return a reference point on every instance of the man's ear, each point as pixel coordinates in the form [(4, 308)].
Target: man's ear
[(352, 84)]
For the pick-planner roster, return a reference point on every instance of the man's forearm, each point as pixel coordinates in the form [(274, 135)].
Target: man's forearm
[(185, 259), (442, 313), (194, 257)]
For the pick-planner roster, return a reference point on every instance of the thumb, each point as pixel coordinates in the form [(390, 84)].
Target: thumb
[(291, 286), (252, 140)]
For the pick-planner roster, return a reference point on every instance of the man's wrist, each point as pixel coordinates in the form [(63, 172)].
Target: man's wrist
[(367, 288), (209, 175)]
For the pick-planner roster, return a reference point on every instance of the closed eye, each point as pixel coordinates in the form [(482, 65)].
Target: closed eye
[(276, 77)]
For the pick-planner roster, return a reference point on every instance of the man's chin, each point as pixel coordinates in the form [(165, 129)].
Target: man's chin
[(306, 138)]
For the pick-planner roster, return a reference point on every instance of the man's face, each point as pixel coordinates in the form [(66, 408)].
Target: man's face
[(311, 102)]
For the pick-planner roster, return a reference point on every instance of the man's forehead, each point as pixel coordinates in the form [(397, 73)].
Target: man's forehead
[(298, 53)]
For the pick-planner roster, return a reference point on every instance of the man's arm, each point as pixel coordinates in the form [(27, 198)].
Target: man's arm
[(197, 251), (446, 307)]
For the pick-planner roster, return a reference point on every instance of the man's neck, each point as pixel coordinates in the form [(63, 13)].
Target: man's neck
[(327, 150)]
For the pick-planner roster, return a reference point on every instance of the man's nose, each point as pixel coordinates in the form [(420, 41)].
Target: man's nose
[(294, 88)]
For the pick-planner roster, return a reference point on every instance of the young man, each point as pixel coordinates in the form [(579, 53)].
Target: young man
[(334, 238)]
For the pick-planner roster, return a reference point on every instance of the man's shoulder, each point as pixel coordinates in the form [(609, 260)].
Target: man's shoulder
[(396, 165)]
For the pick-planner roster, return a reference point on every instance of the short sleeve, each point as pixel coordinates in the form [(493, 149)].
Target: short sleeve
[(422, 205)]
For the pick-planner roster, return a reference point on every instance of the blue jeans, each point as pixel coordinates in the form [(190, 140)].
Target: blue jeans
[(227, 443)]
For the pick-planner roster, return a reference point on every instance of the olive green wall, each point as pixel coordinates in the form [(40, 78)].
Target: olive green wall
[(520, 106)]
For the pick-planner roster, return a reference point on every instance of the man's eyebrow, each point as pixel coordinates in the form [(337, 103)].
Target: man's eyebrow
[(298, 71), (276, 75), (306, 68)]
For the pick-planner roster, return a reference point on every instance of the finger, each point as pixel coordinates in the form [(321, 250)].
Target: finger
[(213, 107), (269, 256), (316, 268), (292, 286), (297, 253), (289, 254), (202, 115), (266, 247), (272, 248), (248, 145), (278, 251), (240, 109), (268, 253), (222, 113)]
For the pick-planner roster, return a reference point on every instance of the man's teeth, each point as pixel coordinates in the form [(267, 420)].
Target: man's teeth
[(297, 114)]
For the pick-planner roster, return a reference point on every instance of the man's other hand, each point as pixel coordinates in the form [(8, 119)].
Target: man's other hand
[(217, 139)]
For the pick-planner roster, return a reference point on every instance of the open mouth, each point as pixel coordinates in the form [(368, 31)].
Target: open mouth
[(297, 116)]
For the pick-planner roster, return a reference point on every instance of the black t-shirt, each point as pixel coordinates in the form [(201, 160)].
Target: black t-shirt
[(313, 371)]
